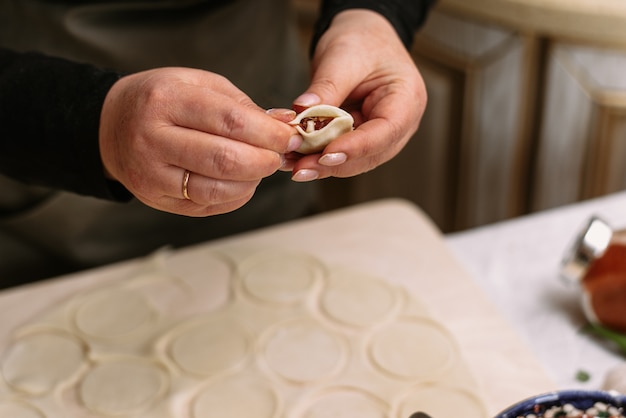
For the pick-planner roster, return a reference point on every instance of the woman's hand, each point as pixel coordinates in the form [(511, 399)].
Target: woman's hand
[(361, 65), (157, 124)]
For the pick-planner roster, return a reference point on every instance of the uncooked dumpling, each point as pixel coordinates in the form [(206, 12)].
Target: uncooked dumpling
[(320, 125)]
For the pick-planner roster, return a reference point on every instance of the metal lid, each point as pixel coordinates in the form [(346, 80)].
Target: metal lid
[(589, 245)]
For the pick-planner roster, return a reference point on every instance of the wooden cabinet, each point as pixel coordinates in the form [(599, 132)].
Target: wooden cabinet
[(581, 150)]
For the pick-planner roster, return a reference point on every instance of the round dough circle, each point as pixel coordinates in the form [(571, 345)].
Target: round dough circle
[(441, 401), (113, 313), (36, 363), (412, 348), (346, 403), (122, 386), (207, 347), (18, 410), (236, 396), (301, 350), (206, 275), (280, 277), (357, 299)]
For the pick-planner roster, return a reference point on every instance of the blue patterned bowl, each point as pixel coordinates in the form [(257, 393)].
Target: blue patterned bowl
[(581, 399)]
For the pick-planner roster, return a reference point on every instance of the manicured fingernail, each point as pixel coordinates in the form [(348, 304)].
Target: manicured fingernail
[(307, 100), (286, 164), (285, 115), (332, 159), (305, 175), (294, 143)]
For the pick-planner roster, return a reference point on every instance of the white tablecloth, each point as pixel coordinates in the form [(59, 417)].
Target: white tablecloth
[(517, 263)]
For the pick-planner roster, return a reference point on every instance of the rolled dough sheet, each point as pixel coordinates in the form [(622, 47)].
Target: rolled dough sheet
[(375, 321)]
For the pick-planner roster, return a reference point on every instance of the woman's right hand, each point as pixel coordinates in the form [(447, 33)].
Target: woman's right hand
[(157, 124)]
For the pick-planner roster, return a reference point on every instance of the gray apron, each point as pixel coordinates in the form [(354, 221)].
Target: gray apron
[(252, 42)]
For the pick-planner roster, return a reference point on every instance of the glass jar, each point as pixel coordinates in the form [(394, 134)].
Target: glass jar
[(597, 262)]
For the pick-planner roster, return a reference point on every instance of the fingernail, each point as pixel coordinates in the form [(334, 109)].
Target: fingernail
[(286, 164), (332, 159), (294, 143), (285, 115), (307, 100), (305, 175)]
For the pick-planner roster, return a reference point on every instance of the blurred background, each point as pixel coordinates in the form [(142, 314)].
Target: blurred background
[(526, 112)]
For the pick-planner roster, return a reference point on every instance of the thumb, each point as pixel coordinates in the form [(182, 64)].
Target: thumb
[(330, 85)]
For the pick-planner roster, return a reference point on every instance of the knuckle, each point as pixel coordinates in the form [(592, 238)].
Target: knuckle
[(223, 194), (225, 161), (327, 87), (154, 92), (233, 123), (214, 193)]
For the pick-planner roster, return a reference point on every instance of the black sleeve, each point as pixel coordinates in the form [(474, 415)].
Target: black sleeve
[(406, 16), (49, 118)]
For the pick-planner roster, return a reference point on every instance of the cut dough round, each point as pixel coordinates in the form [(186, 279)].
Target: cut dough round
[(280, 277), (122, 386), (236, 396), (38, 362), (207, 275), (10, 409), (211, 346), (441, 401), (113, 313), (346, 403), (357, 299), (412, 348), (301, 350)]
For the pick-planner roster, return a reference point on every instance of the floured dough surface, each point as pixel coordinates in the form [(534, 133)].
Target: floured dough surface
[(346, 402), (240, 395), (441, 400), (16, 409), (265, 333)]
